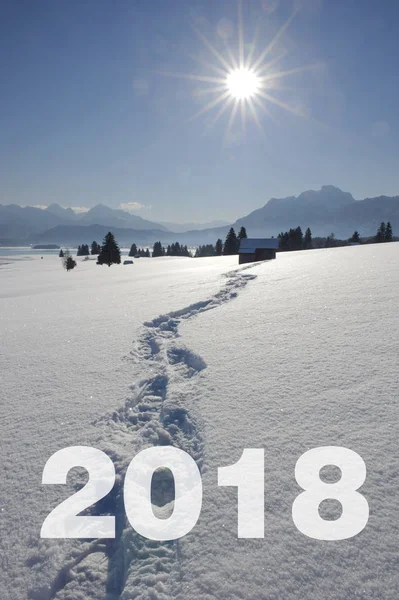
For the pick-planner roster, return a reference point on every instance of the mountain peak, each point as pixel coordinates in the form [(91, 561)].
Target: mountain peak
[(329, 195), (98, 208), (59, 211), (331, 188)]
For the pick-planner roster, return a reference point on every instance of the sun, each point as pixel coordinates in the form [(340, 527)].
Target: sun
[(243, 83)]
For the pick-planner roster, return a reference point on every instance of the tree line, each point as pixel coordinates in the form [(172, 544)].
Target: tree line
[(175, 249), (384, 233), (230, 246), (84, 250), (209, 249), (294, 239), (138, 252), (109, 252)]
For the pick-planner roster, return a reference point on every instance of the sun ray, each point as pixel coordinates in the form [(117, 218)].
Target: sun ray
[(283, 105), (232, 58), (211, 90), (274, 41), (243, 106), (232, 117), (254, 115), (220, 112), (240, 37), (208, 64), (205, 78), (263, 107), (210, 105), (253, 46), (267, 66), (215, 53), (281, 74)]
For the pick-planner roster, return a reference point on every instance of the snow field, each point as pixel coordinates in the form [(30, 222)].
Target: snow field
[(284, 355), (66, 344), (306, 356)]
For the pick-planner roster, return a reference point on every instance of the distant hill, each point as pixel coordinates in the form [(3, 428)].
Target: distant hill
[(67, 214), (24, 223), (17, 222), (183, 227), (111, 217), (74, 235)]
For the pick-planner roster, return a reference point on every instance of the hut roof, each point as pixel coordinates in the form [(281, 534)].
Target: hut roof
[(250, 245)]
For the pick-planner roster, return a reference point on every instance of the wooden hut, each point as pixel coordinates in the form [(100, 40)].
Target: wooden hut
[(254, 250)]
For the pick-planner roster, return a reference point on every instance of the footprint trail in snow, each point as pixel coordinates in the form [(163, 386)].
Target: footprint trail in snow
[(155, 413)]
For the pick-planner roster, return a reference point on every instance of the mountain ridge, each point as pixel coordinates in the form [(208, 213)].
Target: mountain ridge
[(326, 210)]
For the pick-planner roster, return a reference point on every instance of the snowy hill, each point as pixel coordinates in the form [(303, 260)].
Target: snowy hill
[(200, 354)]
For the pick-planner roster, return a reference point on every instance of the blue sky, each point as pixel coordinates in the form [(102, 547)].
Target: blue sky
[(87, 115)]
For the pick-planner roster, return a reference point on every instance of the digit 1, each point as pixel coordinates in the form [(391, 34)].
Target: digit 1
[(248, 475)]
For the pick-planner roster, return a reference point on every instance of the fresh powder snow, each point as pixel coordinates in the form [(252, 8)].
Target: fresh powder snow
[(213, 358)]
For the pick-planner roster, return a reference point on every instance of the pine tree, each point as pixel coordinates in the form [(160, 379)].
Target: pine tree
[(175, 249), (307, 240), (83, 250), (133, 250), (61, 254), (242, 234), (297, 239), (110, 253), (283, 240), (158, 250), (218, 247), (95, 248), (355, 237), (388, 232), (231, 244), (294, 240), (68, 262), (330, 241), (381, 233), (207, 250)]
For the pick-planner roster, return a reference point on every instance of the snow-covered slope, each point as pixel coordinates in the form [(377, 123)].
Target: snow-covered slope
[(306, 356), (284, 355)]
